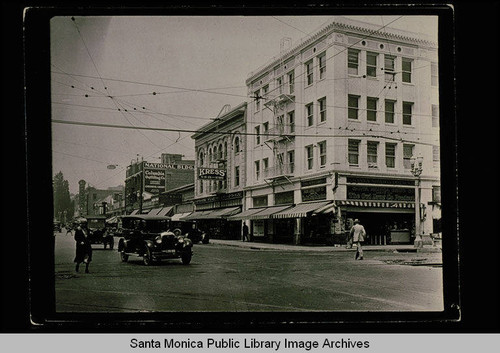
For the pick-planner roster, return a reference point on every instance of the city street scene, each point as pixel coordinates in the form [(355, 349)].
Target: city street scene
[(246, 163)]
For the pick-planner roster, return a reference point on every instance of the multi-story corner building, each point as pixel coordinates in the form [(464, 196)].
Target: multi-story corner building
[(336, 121), (220, 148)]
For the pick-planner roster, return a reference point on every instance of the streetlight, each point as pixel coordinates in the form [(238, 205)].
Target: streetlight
[(416, 170)]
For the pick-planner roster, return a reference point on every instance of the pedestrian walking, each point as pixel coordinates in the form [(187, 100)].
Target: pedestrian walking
[(245, 232), (358, 234), (83, 247)]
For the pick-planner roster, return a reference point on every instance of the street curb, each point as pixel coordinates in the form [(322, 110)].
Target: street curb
[(285, 247)]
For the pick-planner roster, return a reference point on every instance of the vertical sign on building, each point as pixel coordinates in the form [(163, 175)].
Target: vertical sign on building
[(154, 179)]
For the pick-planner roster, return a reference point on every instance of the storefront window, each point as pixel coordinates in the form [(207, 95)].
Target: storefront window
[(283, 198), (260, 201)]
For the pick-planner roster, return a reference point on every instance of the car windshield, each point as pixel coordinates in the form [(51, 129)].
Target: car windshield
[(95, 223), (157, 225)]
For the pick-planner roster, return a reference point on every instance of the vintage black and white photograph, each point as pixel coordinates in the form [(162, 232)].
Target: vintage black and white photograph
[(246, 163)]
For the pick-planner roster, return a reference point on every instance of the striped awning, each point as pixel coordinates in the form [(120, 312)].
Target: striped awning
[(268, 212), (245, 214), (384, 204), (196, 215), (328, 208), (220, 213), (165, 211), (180, 216), (154, 211), (301, 209)]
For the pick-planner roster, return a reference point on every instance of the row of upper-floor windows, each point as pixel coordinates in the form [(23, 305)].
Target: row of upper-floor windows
[(372, 153), (373, 64), (220, 152), (372, 109)]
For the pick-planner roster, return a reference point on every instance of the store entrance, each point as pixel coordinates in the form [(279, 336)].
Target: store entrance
[(284, 230), (385, 228)]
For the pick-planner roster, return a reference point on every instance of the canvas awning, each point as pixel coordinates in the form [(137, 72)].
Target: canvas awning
[(220, 213), (154, 211), (179, 216), (245, 214), (328, 208), (268, 212), (195, 215), (384, 204), (301, 209), (165, 211)]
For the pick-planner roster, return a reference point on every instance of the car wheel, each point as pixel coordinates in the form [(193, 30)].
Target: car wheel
[(177, 232), (186, 258), (123, 256), (147, 259)]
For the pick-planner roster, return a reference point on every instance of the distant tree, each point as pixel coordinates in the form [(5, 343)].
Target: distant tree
[(62, 200)]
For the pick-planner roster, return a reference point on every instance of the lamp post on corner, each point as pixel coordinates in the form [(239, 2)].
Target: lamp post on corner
[(416, 170)]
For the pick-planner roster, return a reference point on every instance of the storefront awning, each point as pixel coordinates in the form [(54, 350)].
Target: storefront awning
[(165, 211), (268, 212), (383, 204), (196, 215), (301, 209), (154, 211), (134, 212), (179, 216), (328, 208), (245, 214), (220, 213)]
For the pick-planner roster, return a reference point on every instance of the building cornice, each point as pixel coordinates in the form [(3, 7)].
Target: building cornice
[(238, 110), (353, 28)]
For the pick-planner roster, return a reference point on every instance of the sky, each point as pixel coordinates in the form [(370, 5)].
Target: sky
[(159, 72)]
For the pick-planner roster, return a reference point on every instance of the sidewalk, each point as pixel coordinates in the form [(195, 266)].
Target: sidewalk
[(321, 248)]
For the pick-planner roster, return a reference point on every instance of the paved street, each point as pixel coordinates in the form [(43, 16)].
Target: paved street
[(249, 278)]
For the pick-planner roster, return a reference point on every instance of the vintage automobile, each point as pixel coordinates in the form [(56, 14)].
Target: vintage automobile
[(150, 237), (98, 233)]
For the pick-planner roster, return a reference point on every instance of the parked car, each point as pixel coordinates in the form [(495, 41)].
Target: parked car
[(98, 233), (151, 238)]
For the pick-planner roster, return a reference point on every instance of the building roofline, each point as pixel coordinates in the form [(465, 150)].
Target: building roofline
[(345, 25), (240, 108)]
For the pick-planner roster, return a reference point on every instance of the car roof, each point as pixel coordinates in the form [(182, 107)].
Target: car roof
[(95, 217), (146, 217)]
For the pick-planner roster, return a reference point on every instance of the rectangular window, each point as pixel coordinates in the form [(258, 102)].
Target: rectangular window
[(309, 114), (322, 65), (436, 193), (390, 155), (265, 90), (279, 84), (257, 170), (406, 68), (352, 103), (322, 109), (389, 111), (265, 165), (371, 109), (322, 153), (291, 82), (434, 74), (256, 96), (407, 154), (259, 201), (265, 128), (201, 186), (353, 152), (291, 161), (257, 135), (310, 157), (371, 154), (407, 110), (309, 72), (291, 121), (236, 176), (371, 64), (352, 61), (435, 153), (389, 67), (435, 115)]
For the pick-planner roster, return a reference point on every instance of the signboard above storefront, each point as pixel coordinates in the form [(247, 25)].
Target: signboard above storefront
[(211, 173), (376, 193)]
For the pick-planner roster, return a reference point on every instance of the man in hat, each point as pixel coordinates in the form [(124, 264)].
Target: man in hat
[(358, 234), (83, 247)]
